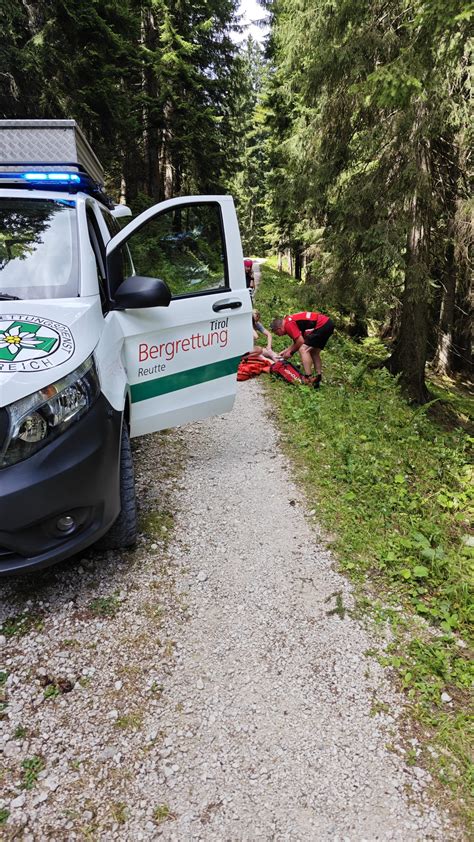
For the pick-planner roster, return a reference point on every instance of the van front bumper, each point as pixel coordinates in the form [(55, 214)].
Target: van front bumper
[(77, 476)]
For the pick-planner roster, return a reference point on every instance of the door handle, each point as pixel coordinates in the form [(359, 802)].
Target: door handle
[(226, 305)]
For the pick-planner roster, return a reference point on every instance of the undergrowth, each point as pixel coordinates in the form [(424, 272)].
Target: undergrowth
[(395, 490)]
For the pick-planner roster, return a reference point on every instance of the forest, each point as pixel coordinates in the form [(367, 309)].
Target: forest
[(345, 140)]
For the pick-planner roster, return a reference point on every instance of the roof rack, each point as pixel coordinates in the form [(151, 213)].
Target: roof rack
[(66, 158)]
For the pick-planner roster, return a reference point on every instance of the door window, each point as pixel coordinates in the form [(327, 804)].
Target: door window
[(111, 223), (184, 247)]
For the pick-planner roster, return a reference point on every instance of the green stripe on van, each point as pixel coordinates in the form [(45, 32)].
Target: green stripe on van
[(183, 379)]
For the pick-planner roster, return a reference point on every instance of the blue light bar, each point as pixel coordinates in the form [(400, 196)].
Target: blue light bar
[(60, 179), (52, 176)]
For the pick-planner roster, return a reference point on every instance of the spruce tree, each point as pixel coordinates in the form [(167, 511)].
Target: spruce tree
[(248, 145), (368, 90)]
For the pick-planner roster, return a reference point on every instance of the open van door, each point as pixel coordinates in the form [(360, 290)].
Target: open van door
[(181, 357)]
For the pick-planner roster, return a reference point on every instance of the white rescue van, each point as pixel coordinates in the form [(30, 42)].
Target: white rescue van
[(105, 334)]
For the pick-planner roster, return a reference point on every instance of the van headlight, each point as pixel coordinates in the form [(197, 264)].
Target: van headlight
[(36, 420)]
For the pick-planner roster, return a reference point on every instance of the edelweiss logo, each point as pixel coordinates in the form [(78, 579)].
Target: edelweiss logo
[(27, 343), (22, 335)]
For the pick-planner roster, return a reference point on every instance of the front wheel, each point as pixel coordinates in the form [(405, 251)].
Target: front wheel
[(123, 533)]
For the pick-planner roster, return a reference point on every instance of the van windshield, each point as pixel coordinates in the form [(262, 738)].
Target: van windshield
[(38, 248)]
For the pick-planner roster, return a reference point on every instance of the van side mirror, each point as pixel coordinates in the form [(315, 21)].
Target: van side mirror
[(120, 211), (138, 291)]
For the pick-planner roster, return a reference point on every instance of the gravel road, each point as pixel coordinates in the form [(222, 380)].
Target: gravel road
[(211, 687)]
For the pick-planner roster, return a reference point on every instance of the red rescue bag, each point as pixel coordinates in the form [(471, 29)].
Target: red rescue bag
[(252, 366), (288, 372)]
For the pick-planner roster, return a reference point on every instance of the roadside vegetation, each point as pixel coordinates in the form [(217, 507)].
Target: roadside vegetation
[(392, 485), (345, 142)]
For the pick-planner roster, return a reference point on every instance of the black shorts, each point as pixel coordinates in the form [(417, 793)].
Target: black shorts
[(318, 338)]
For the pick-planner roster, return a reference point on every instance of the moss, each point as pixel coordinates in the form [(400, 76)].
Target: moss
[(156, 524)]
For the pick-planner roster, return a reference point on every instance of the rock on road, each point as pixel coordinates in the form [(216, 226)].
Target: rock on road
[(270, 721)]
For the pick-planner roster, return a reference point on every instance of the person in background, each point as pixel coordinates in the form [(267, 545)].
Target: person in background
[(310, 333), (249, 278), (259, 328)]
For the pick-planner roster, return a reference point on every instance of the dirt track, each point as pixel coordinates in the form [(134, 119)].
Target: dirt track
[(214, 688)]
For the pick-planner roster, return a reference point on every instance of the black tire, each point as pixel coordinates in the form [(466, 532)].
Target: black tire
[(123, 533)]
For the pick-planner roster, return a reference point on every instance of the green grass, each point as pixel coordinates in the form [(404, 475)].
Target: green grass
[(104, 606), (31, 767), (395, 490), (130, 721), (456, 396), (3, 699), (51, 691), (162, 813), (119, 812), (21, 624), (20, 732), (156, 524)]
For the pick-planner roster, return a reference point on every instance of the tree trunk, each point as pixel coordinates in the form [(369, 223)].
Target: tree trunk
[(390, 330), (447, 152), (442, 361), (152, 162), (123, 190), (167, 175), (462, 357), (131, 175), (151, 129), (298, 263), (358, 328), (409, 355)]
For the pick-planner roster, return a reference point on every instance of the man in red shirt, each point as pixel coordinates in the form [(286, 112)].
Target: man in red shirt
[(309, 332)]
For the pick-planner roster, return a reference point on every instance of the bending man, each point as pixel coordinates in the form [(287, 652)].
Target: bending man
[(310, 333)]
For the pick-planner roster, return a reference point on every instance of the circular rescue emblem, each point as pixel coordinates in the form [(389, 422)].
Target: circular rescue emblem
[(31, 343)]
